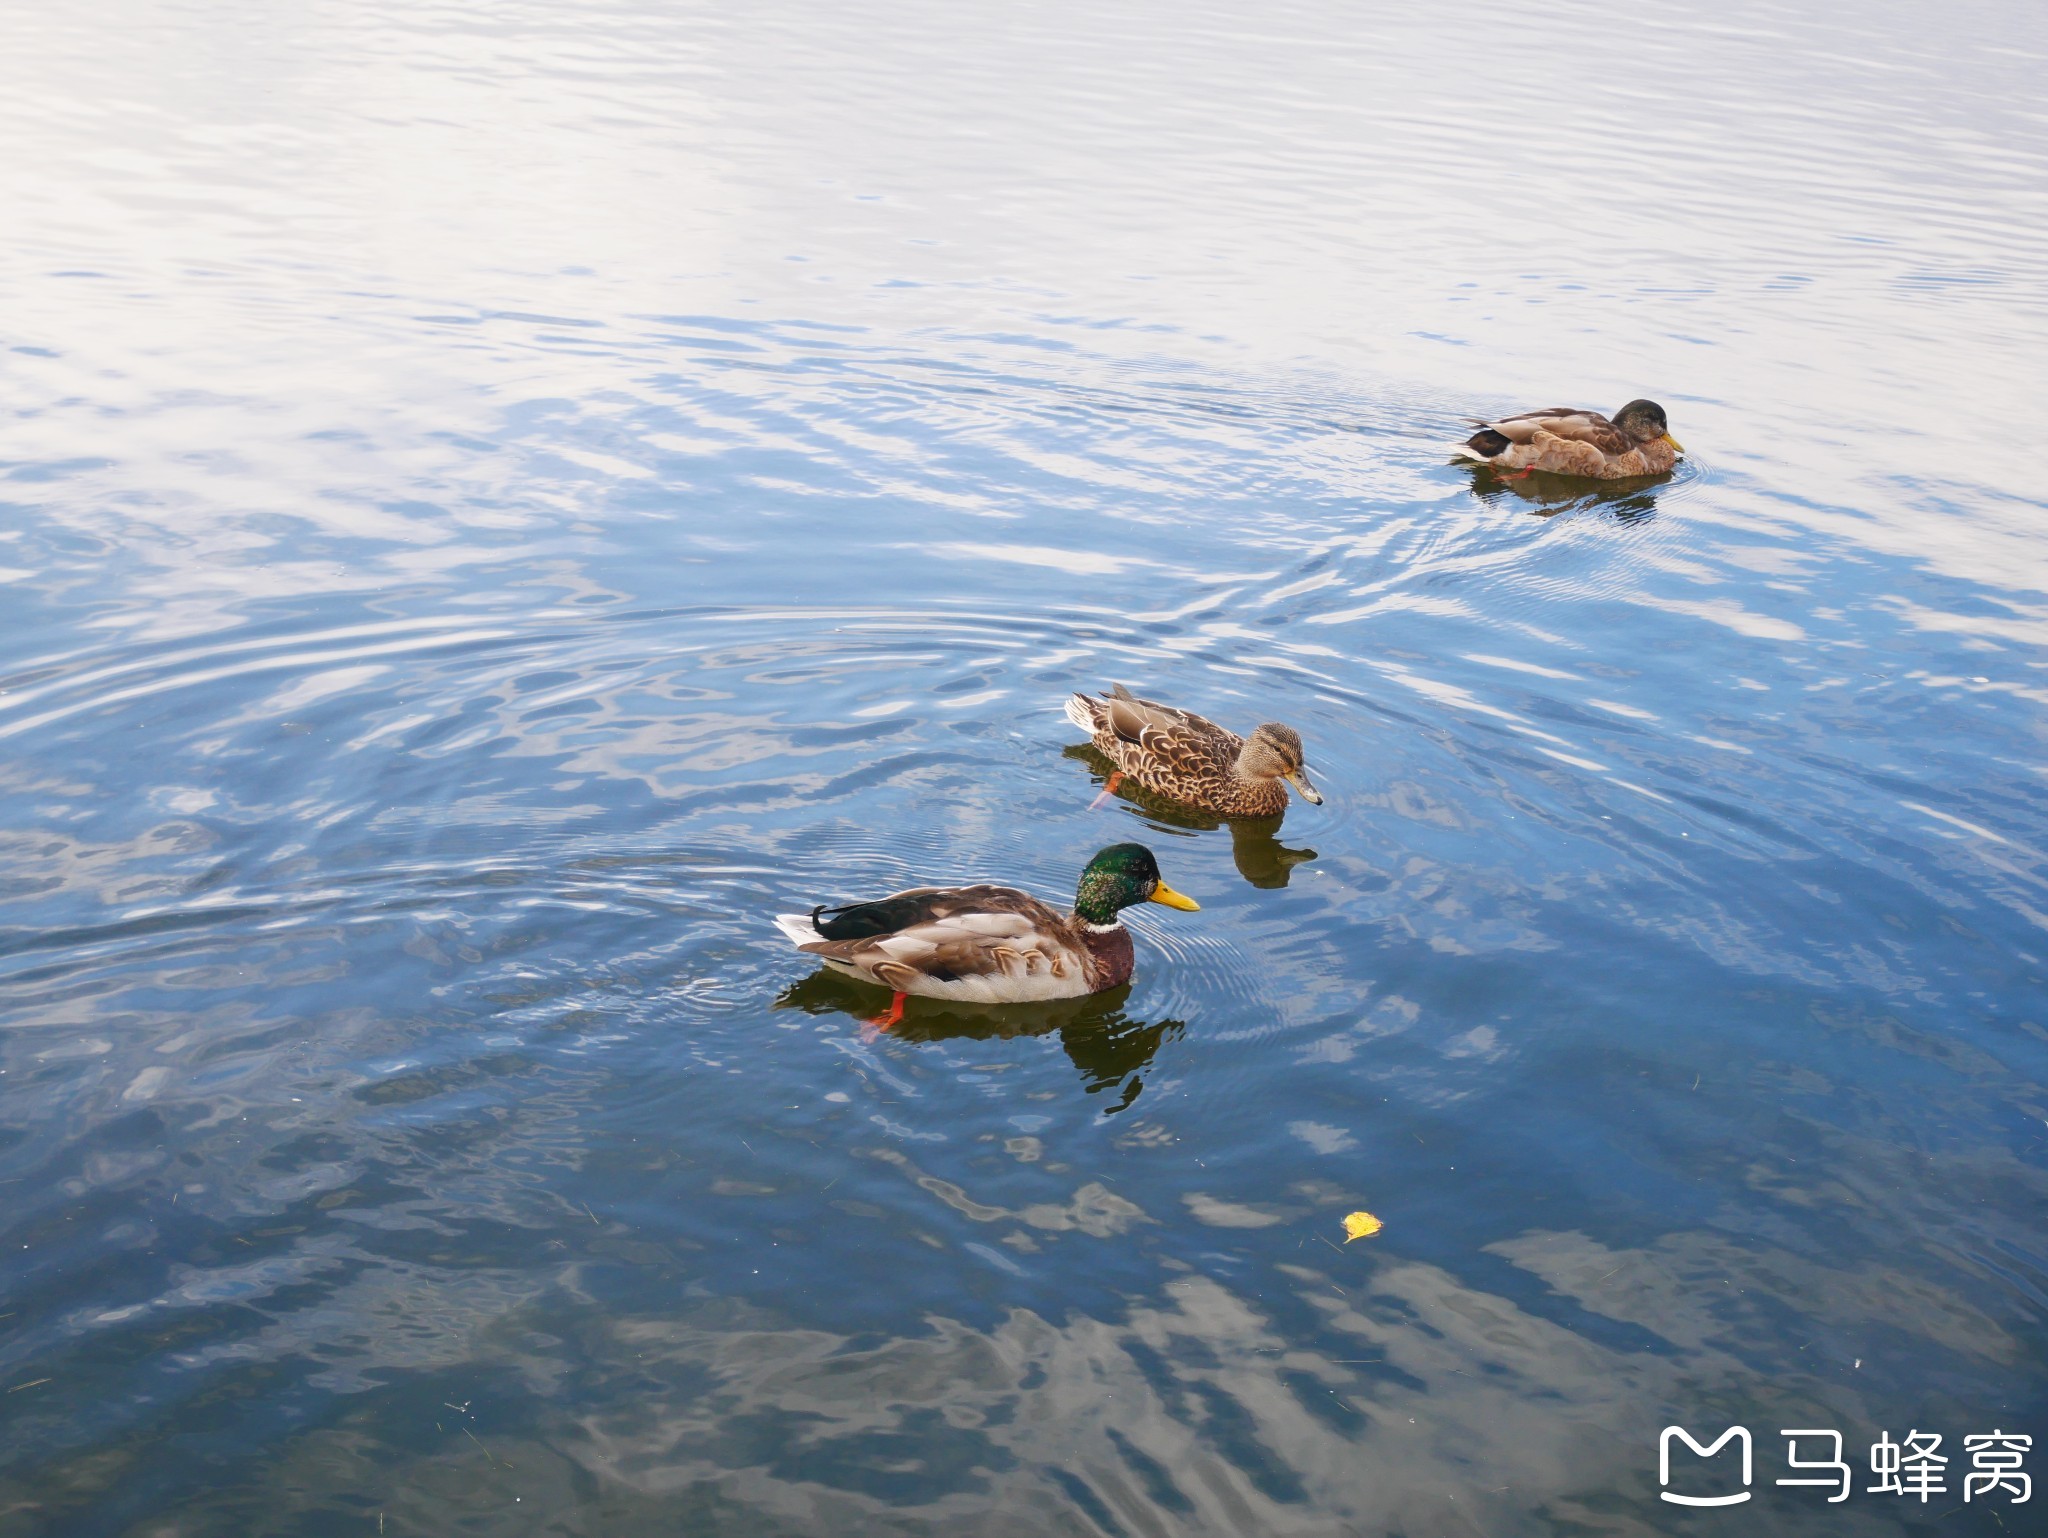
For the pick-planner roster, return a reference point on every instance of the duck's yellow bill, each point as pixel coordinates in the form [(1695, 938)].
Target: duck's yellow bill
[(1163, 893), (1676, 446)]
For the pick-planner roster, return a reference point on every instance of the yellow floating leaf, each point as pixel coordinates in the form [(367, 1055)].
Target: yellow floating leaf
[(1360, 1225)]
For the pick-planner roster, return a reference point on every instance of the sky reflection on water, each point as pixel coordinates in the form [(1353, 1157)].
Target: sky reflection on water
[(498, 500)]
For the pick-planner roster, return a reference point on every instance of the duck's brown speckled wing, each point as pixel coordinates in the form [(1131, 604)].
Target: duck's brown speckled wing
[(1563, 440), (1180, 745), (1572, 424), (949, 935)]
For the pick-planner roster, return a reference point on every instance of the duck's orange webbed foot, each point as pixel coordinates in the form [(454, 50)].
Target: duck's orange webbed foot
[(883, 1022), (1116, 778)]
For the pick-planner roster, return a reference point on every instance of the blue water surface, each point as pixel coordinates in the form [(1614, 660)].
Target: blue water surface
[(496, 501)]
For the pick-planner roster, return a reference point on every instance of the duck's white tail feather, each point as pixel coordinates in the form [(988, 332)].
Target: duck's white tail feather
[(1466, 451), (1081, 713), (798, 928)]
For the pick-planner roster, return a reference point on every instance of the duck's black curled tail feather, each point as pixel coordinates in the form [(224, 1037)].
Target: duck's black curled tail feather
[(864, 921), (1488, 442)]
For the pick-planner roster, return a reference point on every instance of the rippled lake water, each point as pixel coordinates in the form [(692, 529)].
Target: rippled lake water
[(500, 499)]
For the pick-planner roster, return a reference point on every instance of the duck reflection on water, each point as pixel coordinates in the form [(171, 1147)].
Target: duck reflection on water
[(1549, 495), (1109, 1048), (1254, 841)]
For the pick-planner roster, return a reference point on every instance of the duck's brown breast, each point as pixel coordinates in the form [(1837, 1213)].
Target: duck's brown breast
[(1254, 798), (1658, 456), (1652, 458), (1110, 957)]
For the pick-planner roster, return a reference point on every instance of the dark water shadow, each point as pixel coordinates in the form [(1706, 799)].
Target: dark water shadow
[(1254, 841), (1628, 501), (1110, 1050)]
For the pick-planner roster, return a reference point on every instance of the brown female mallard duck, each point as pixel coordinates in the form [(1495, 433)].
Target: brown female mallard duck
[(1565, 441), (1194, 761), (990, 944)]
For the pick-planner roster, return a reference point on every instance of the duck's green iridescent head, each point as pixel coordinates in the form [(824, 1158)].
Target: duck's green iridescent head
[(1117, 878)]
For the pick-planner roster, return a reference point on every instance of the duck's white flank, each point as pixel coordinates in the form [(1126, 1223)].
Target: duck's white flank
[(1032, 973)]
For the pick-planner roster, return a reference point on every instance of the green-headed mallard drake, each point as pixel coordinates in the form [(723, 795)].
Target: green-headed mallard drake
[(1180, 755), (990, 944), (1564, 440)]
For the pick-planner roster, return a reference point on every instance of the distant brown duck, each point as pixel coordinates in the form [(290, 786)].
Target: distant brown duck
[(1192, 760), (990, 944), (1563, 440)]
